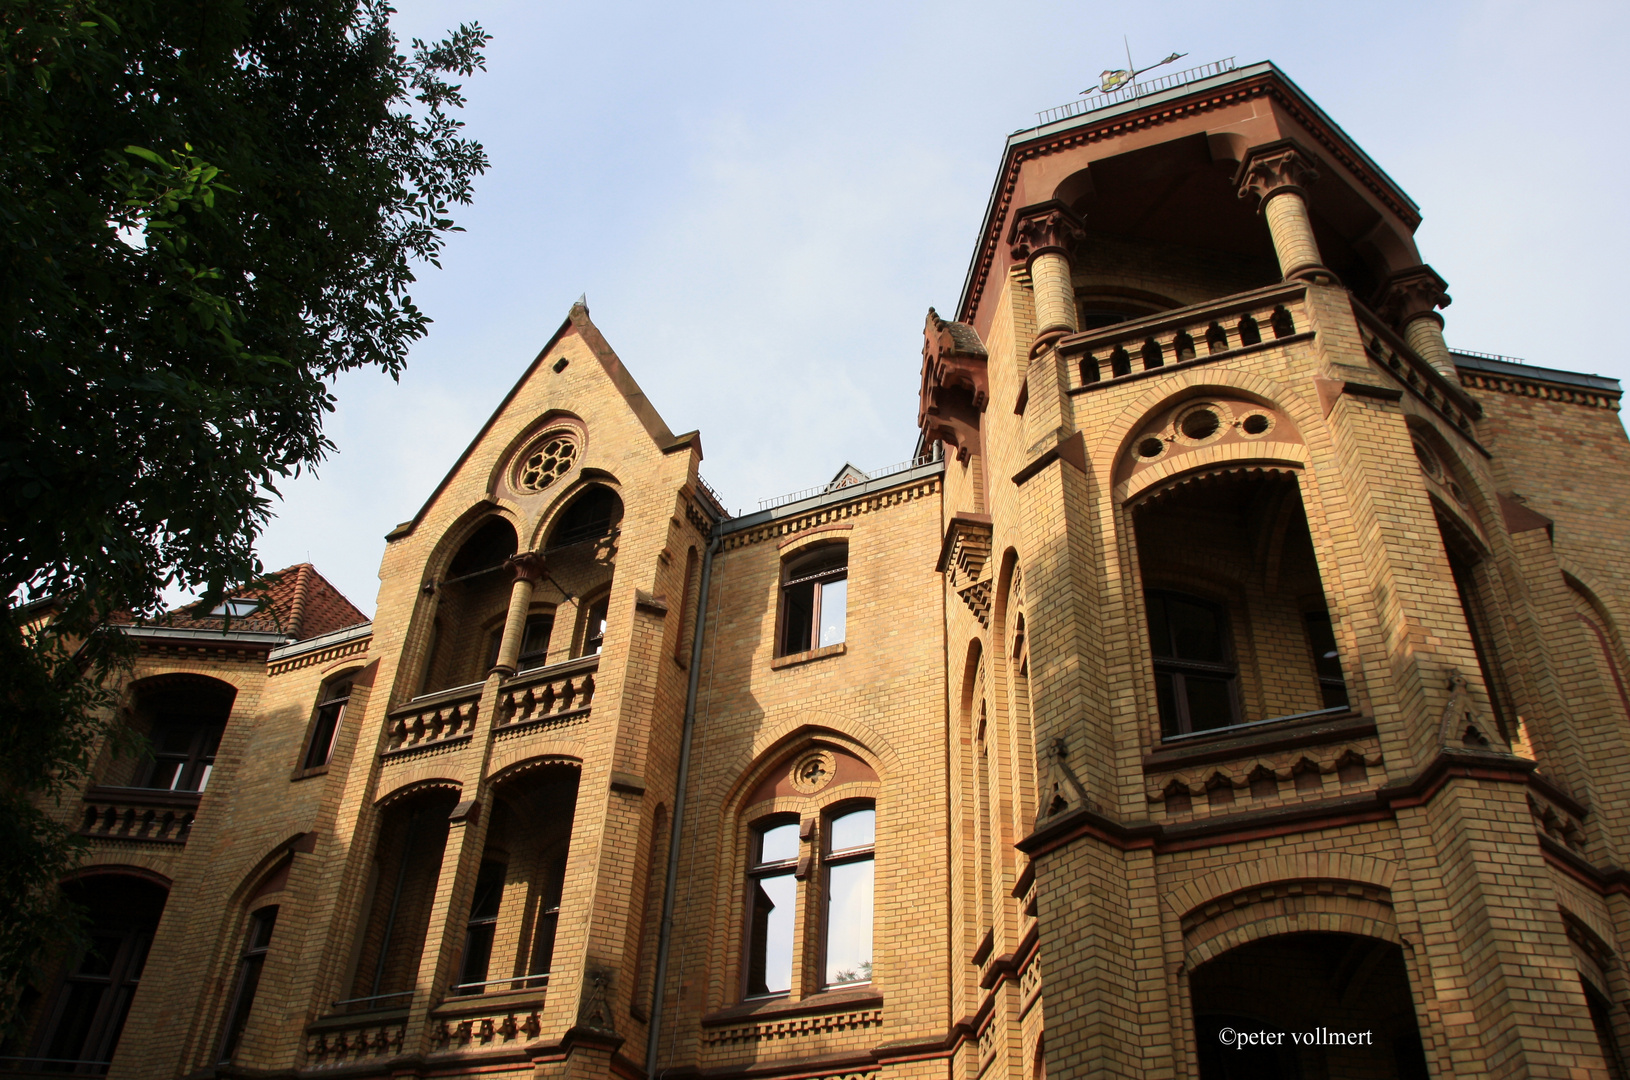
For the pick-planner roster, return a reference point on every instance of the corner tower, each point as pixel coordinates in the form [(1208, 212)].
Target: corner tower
[(1224, 552)]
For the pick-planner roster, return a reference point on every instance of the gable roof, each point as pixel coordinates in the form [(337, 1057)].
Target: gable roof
[(301, 603), (578, 322)]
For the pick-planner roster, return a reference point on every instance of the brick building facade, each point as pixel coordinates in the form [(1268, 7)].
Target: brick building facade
[(1234, 658)]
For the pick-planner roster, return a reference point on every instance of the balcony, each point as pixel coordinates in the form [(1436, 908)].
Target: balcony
[(547, 697), (434, 720), (145, 815), (1199, 334)]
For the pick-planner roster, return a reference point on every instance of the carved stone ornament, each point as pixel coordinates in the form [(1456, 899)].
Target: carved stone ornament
[(1044, 227), (1412, 293), (594, 1011), (1463, 726), (1275, 167), (813, 771), (955, 388), (1062, 791), (527, 566)]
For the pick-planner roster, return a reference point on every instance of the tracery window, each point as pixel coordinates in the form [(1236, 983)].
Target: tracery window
[(546, 461)]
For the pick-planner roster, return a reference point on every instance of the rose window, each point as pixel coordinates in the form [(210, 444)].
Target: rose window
[(547, 462)]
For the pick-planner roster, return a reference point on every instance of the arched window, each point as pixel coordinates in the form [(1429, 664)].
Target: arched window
[(772, 893), (814, 599), (592, 515), (851, 835), (183, 721), (251, 960), (474, 592), (325, 725), (85, 1018), (810, 835)]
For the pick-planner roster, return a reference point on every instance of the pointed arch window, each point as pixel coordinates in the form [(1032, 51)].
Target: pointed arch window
[(257, 943)]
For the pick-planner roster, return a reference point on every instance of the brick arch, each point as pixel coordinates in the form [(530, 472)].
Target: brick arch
[(131, 864), (774, 740), (547, 517), (531, 763), (524, 750), (1301, 922), (1253, 457), (1341, 866), (525, 434), (1195, 382), (428, 777)]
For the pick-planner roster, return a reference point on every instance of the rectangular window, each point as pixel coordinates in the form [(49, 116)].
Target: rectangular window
[(330, 711), (849, 879), (772, 891), (815, 600), (535, 642), (183, 754), (250, 962), (1194, 668), (481, 927), (594, 627)]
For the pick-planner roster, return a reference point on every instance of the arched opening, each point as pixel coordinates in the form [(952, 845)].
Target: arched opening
[(1238, 626), (183, 718), (470, 603), (592, 515), (407, 864), (509, 939), (1300, 1005), (83, 1013)]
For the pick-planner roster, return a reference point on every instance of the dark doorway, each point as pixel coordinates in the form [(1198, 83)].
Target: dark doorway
[(1335, 1006)]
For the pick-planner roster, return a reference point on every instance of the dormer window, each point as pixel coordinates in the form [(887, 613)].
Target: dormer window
[(236, 608)]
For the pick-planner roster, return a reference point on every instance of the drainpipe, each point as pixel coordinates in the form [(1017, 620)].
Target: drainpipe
[(671, 882)]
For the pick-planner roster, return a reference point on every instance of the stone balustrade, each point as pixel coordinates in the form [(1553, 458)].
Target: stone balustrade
[(557, 694), (147, 815), (434, 720), (1195, 334)]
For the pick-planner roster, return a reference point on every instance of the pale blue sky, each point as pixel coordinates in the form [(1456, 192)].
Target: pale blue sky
[(761, 200)]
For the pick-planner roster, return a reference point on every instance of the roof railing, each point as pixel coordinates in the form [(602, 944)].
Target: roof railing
[(1488, 356), (1132, 91), (869, 475)]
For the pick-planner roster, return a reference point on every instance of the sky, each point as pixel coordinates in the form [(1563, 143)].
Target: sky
[(761, 201)]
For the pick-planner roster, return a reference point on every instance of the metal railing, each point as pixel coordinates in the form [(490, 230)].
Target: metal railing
[(470, 989), (78, 1066), (1131, 91), (1488, 356), (369, 1001), (712, 494), (865, 477)]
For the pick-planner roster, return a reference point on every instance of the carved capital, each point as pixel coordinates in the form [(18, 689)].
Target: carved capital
[(527, 566), (1410, 294), (955, 387), (1048, 226), (1276, 167)]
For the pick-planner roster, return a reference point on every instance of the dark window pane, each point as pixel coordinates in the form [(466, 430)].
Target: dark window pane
[(477, 954), (798, 613), (74, 1026), (535, 642), (769, 964), (1196, 631), (1334, 694), (248, 983), (1323, 639), (543, 943), (98, 959), (489, 890), (322, 734), (1210, 703), (1160, 632), (1167, 699)]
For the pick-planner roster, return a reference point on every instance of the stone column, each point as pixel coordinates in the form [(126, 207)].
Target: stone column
[(1041, 238), (1279, 174), (1409, 300), (528, 567)]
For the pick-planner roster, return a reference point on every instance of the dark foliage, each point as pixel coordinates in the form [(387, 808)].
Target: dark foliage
[(208, 208)]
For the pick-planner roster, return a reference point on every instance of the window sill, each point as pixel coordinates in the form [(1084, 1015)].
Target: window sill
[(849, 998), (793, 659), (1263, 736), (307, 774)]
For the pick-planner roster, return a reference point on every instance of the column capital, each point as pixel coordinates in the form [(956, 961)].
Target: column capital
[(527, 566), (1276, 167), (1411, 294), (1043, 227)]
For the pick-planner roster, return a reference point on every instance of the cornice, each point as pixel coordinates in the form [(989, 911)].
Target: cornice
[(1270, 84)]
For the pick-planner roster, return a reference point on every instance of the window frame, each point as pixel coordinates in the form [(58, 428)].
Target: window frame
[(843, 857), (1327, 683), (586, 637), (757, 870), (246, 980), (1180, 669), (818, 579), (205, 733), (326, 698)]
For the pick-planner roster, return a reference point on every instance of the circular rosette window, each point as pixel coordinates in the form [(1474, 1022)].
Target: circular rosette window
[(545, 461)]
